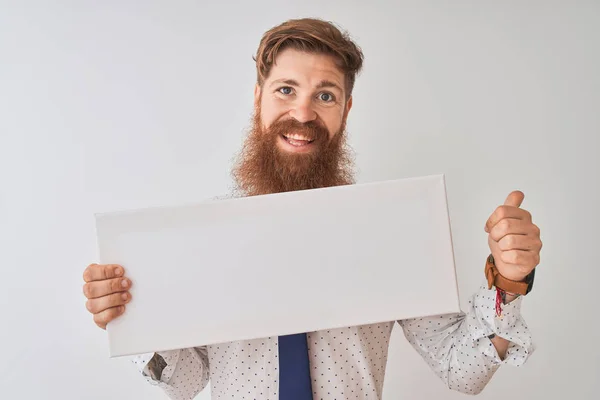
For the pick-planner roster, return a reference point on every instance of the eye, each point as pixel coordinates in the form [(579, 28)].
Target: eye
[(326, 97), (285, 90)]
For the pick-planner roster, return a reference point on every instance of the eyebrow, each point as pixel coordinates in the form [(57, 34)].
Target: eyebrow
[(321, 85)]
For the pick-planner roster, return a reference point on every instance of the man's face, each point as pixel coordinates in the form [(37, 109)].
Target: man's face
[(298, 139), (308, 88)]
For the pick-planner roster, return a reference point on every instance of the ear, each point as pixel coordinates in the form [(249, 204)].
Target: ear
[(257, 91), (348, 107)]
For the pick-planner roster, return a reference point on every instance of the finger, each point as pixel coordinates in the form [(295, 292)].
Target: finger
[(515, 199), (100, 304), (520, 242), (512, 226), (520, 257), (103, 318), (503, 212), (97, 272), (93, 290)]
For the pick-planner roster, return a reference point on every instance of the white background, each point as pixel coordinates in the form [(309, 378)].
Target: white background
[(122, 104)]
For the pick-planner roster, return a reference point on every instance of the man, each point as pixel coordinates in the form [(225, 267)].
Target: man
[(306, 71)]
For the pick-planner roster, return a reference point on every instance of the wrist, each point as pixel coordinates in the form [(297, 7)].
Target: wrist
[(514, 285), (509, 297)]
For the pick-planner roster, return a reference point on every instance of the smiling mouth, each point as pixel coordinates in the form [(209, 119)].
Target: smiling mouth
[(297, 140)]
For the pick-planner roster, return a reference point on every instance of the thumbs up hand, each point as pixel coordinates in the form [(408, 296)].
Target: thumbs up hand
[(513, 238)]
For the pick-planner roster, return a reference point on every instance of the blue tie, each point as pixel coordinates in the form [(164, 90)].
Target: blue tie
[(294, 369)]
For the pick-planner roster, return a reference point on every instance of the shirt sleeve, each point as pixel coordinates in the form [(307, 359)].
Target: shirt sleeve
[(181, 374), (458, 346)]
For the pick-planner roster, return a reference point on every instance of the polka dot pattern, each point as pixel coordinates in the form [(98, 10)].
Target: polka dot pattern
[(349, 363)]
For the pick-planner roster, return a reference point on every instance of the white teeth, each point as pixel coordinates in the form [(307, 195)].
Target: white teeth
[(297, 137)]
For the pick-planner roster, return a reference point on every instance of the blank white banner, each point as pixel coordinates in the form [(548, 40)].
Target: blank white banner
[(262, 266)]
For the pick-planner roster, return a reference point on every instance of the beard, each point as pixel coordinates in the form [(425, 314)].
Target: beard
[(262, 167)]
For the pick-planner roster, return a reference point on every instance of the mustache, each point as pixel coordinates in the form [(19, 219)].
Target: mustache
[(312, 130)]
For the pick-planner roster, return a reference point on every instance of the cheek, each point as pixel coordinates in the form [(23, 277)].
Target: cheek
[(270, 111), (333, 123)]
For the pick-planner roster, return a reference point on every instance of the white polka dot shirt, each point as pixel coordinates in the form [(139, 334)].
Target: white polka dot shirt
[(349, 363)]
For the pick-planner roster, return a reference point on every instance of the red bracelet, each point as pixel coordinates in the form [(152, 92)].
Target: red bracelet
[(501, 299)]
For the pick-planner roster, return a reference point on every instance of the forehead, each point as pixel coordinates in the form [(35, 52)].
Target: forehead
[(306, 68)]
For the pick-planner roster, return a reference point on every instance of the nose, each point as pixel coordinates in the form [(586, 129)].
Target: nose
[(303, 112)]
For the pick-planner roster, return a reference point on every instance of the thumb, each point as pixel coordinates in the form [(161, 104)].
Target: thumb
[(514, 199)]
